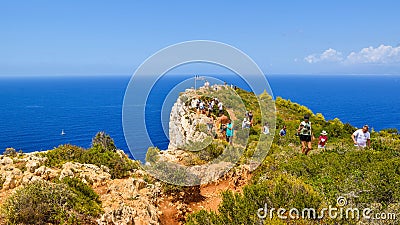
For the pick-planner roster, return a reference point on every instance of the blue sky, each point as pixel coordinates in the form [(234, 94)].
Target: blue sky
[(115, 37)]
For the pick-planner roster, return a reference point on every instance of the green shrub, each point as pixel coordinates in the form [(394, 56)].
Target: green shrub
[(119, 164), (152, 154), (62, 154), (212, 151), (103, 141), (67, 202), (87, 201)]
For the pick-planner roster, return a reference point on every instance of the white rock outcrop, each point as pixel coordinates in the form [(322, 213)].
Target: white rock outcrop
[(89, 173), (130, 201), (184, 126)]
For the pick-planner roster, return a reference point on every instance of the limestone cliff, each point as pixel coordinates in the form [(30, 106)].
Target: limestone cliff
[(186, 125)]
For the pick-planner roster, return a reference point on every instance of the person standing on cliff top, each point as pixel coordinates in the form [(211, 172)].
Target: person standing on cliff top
[(306, 135), (361, 137), (229, 132), (207, 84)]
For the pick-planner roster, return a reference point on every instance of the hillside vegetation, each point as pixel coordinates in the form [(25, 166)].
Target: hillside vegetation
[(289, 179)]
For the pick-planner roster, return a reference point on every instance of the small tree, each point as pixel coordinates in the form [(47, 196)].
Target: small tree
[(104, 141)]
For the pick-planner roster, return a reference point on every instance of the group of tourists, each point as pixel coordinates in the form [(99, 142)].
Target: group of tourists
[(225, 126), (360, 137), (207, 107)]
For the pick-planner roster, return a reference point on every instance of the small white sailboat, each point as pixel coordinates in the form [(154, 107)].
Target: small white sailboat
[(62, 132)]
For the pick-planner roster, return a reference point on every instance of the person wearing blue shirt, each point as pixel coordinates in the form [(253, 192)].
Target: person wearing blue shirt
[(283, 131), (229, 132)]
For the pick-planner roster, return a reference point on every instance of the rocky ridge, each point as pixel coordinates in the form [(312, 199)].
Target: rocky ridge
[(125, 201)]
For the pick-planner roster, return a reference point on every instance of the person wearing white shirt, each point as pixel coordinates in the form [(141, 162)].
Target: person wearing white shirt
[(266, 128), (220, 107), (245, 123), (361, 137)]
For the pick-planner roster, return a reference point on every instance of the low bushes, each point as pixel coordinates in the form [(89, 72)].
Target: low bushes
[(101, 153), (67, 202)]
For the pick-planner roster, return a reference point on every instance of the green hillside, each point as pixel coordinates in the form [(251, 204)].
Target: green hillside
[(366, 178)]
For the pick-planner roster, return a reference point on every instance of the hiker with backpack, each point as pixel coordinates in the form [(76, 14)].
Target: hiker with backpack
[(306, 136)]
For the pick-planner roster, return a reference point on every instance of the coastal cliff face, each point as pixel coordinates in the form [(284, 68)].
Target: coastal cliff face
[(187, 128)]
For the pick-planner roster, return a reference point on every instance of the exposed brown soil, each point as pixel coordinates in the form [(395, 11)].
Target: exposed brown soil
[(209, 199)]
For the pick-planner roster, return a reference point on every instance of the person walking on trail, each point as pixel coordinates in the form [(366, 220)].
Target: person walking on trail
[(201, 106), (210, 124), (229, 132), (266, 128), (245, 123), (220, 108), (282, 133), (306, 135), (323, 138), (361, 137), (250, 115)]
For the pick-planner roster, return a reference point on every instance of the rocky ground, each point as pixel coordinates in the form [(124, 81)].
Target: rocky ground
[(125, 201)]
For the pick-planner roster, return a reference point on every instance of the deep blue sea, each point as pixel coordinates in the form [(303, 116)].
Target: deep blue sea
[(35, 110)]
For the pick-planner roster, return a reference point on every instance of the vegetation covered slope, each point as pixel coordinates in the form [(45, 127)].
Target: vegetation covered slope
[(364, 178)]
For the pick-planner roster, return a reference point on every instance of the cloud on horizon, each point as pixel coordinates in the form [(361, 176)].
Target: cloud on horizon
[(329, 55), (384, 54)]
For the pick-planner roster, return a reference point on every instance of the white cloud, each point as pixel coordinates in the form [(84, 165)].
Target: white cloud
[(384, 54), (329, 55)]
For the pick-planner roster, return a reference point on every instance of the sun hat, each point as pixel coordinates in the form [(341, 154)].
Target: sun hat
[(324, 132)]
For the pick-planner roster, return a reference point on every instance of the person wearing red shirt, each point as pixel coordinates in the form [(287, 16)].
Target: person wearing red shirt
[(323, 138)]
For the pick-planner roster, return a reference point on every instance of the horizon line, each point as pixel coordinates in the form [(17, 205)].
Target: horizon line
[(201, 74)]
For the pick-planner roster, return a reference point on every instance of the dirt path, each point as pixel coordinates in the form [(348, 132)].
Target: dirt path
[(231, 114), (211, 199), (169, 213)]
